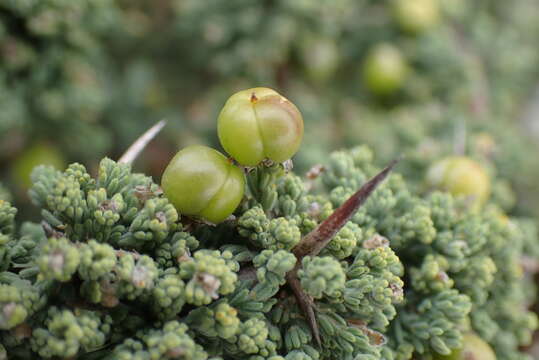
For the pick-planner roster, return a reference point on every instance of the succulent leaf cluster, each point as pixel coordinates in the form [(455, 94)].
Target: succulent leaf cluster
[(114, 272)]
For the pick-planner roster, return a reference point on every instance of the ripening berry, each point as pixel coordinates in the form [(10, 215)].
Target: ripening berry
[(473, 348), (38, 154), (416, 16), (320, 57), (384, 69), (462, 177), (258, 124), (200, 181), (484, 144)]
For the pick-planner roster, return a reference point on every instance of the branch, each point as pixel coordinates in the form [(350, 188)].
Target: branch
[(134, 150)]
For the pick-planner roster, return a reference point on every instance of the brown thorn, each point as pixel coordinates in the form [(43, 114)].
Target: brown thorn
[(317, 239)]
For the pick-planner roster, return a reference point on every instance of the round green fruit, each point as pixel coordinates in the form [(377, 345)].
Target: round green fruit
[(462, 177), (37, 154), (320, 57), (258, 124), (384, 70), (473, 348), (416, 16), (202, 182)]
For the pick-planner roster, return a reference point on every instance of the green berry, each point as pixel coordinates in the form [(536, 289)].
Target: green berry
[(462, 177), (257, 124), (200, 181), (38, 154), (384, 70), (473, 348), (416, 16), (321, 58)]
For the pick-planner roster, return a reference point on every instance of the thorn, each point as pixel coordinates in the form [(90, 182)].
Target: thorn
[(136, 148), (317, 239)]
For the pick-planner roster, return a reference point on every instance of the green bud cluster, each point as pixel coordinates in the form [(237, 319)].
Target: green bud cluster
[(321, 276), (114, 272)]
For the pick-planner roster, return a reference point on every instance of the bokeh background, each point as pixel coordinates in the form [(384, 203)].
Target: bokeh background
[(82, 79)]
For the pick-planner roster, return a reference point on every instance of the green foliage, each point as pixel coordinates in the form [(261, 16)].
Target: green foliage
[(171, 341), (211, 273), (115, 272), (52, 64), (271, 269), (321, 275), (58, 260), (118, 64)]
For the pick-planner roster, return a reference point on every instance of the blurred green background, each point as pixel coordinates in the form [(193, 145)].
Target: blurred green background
[(82, 79)]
